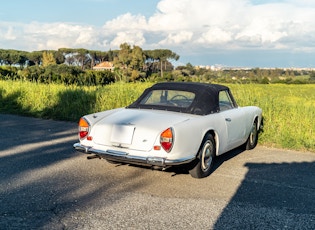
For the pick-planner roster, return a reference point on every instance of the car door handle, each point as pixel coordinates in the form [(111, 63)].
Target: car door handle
[(228, 119)]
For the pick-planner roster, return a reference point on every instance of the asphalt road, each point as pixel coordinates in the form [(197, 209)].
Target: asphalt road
[(44, 184)]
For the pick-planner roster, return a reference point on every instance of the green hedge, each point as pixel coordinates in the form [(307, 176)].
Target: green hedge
[(60, 74)]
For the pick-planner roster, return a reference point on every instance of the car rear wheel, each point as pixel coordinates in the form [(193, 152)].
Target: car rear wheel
[(203, 165), (252, 138)]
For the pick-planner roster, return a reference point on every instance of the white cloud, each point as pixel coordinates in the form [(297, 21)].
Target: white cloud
[(177, 38), (132, 38), (126, 22), (7, 31), (303, 3), (224, 24), (228, 23), (215, 36), (9, 34), (39, 36)]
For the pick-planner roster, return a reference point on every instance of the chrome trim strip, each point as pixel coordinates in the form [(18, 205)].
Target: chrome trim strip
[(124, 157)]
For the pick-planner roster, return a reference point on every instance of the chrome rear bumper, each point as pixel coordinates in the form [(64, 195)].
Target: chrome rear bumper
[(123, 157)]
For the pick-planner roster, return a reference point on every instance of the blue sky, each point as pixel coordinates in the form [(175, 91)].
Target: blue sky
[(248, 33)]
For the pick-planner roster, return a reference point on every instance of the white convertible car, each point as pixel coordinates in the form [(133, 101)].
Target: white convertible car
[(186, 124)]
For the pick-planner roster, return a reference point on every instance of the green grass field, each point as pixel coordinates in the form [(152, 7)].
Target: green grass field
[(288, 110)]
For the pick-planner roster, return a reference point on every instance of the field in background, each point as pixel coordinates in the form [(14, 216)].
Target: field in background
[(288, 110)]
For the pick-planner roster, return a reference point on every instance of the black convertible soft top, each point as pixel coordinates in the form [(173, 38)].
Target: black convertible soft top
[(206, 99)]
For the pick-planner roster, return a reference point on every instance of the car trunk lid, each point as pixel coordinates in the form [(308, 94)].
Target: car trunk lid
[(133, 128)]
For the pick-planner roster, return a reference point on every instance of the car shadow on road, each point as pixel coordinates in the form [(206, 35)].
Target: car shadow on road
[(219, 160), (273, 196)]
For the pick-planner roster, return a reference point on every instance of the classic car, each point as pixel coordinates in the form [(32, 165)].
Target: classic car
[(172, 124)]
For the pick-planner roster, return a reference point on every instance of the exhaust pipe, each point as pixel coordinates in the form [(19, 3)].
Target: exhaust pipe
[(93, 157)]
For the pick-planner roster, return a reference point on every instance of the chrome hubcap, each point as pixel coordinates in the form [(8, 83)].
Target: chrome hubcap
[(206, 158)]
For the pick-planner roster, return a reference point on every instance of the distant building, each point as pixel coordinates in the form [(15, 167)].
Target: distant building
[(106, 65)]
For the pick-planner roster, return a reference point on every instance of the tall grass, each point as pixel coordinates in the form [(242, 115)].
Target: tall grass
[(288, 110), (64, 102)]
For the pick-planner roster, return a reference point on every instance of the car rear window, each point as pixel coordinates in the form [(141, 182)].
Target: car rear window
[(172, 98)]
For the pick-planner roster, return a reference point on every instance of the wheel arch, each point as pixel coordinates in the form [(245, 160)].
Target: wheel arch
[(258, 122), (202, 166), (216, 139)]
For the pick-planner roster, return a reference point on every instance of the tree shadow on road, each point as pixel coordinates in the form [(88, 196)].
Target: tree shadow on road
[(39, 178), (273, 196), (30, 147)]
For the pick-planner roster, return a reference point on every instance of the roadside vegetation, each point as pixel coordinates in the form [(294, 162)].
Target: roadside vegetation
[(131, 64), (288, 110), (62, 85)]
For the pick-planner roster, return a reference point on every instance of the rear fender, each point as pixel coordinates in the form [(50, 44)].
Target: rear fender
[(216, 140)]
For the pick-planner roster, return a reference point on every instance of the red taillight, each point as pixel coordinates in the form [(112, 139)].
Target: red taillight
[(83, 128), (166, 139)]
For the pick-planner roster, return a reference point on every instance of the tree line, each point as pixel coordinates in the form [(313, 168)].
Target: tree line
[(132, 63)]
